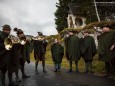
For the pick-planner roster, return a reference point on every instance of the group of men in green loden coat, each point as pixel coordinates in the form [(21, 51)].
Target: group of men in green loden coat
[(77, 47), (85, 47)]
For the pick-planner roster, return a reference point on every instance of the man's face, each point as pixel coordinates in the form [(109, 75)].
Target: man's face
[(105, 29), (86, 34), (56, 40), (21, 35), (6, 31)]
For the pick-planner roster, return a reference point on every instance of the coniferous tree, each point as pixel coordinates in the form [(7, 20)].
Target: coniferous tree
[(87, 8)]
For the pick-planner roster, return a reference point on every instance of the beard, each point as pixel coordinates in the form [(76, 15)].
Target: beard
[(6, 34)]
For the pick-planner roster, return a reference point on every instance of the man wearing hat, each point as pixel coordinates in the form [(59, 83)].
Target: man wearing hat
[(106, 49), (73, 50), (40, 45), (24, 53), (88, 50), (4, 54)]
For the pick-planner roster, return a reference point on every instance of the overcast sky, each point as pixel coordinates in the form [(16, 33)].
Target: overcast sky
[(29, 15)]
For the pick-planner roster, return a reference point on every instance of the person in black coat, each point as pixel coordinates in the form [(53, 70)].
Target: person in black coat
[(4, 54), (24, 53), (40, 45)]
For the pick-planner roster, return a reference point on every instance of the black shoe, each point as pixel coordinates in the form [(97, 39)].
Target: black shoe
[(44, 71), (70, 70), (77, 71), (36, 72), (13, 84), (107, 75), (55, 70), (91, 72), (59, 70), (25, 76), (18, 79), (86, 72)]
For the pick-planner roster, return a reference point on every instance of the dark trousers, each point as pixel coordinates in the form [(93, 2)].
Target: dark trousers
[(88, 65), (22, 64), (42, 58), (2, 75), (57, 66), (110, 67), (76, 64)]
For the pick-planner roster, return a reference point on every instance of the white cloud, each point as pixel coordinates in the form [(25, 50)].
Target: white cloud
[(29, 15)]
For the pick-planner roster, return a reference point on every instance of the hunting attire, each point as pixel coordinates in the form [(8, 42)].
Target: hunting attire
[(24, 54), (39, 53), (4, 54), (105, 41), (88, 51), (57, 52), (14, 63), (73, 51)]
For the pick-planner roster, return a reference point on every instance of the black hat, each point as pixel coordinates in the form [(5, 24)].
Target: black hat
[(6, 27), (105, 25), (19, 31), (40, 33)]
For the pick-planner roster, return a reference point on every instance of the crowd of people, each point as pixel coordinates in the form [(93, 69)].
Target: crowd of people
[(13, 60)]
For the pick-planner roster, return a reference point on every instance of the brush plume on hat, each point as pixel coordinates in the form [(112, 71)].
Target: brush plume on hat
[(15, 29)]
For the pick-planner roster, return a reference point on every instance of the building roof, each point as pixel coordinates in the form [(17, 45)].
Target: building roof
[(75, 9)]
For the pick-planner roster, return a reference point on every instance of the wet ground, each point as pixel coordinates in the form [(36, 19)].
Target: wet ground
[(62, 79)]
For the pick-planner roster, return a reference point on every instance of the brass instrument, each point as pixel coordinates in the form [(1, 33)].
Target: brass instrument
[(13, 40), (39, 38)]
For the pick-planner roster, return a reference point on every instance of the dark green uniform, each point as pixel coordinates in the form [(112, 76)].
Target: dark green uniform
[(57, 51), (73, 50), (105, 41), (88, 50)]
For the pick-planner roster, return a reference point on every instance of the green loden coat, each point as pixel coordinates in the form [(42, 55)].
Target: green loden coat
[(66, 48), (88, 48), (105, 41), (57, 52), (74, 48)]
